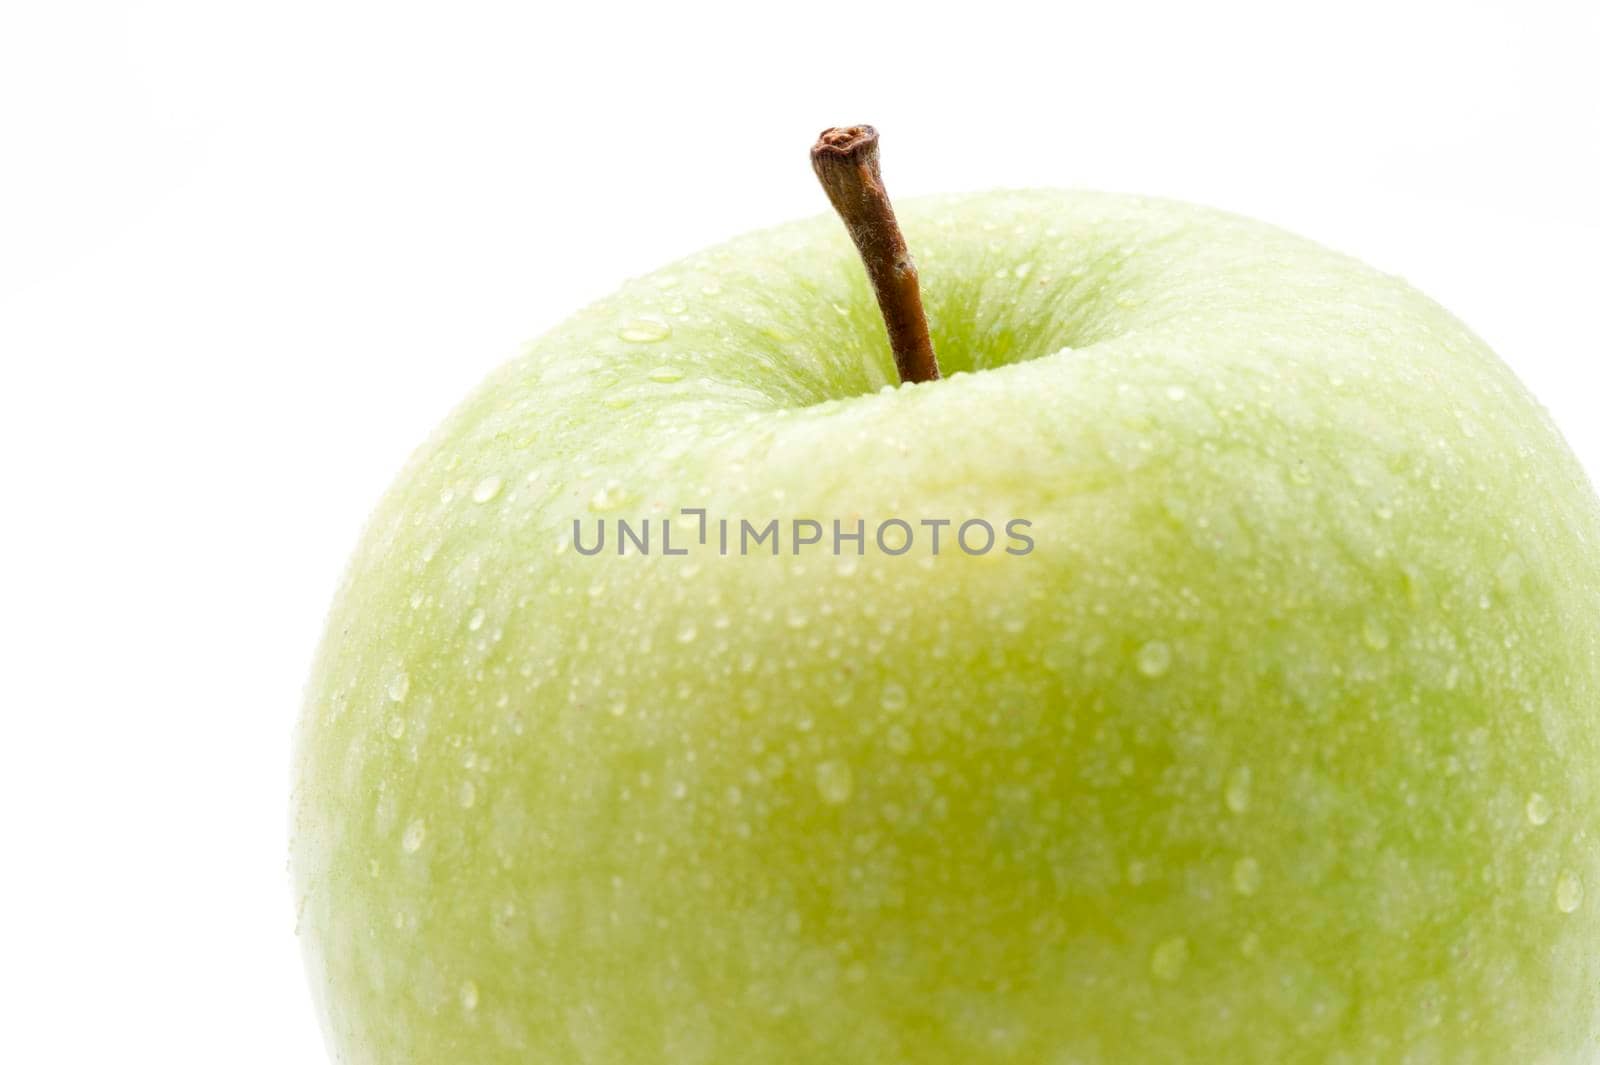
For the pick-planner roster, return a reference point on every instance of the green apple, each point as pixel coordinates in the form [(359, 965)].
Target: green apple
[(1277, 744)]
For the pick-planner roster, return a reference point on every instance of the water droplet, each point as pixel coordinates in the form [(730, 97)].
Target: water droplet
[(835, 782), (469, 996), (396, 727), (475, 620), (467, 794), (1177, 393), (609, 496), (1154, 658), (488, 489), (666, 374), (687, 632), (1538, 809), (1022, 270), (1569, 891), (893, 697), (1169, 958), (399, 686), (1246, 876), (679, 789), (411, 839), (644, 330), (1236, 791), (1375, 635)]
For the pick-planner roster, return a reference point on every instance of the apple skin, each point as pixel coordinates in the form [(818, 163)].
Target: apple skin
[(1280, 746)]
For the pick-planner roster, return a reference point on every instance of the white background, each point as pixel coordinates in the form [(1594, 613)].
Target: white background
[(249, 255)]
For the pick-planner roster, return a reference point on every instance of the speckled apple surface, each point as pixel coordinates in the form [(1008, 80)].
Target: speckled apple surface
[(1280, 746)]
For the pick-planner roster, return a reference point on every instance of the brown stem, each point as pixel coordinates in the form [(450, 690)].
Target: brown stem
[(846, 161)]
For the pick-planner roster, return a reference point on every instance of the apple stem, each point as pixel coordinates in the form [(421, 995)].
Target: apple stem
[(846, 161)]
